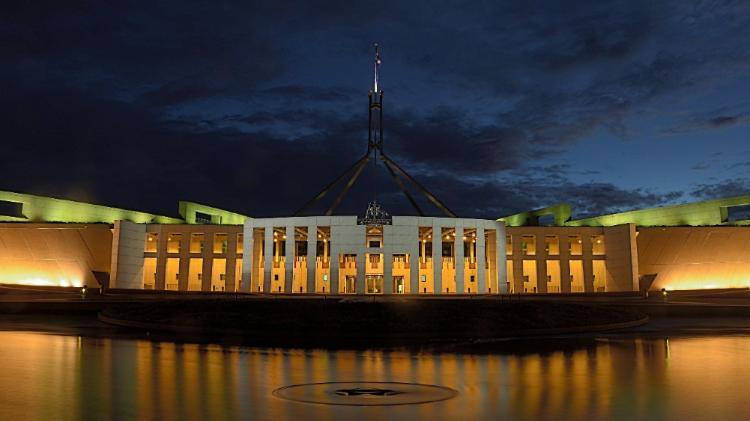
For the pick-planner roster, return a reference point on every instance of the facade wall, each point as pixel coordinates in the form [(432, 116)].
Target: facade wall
[(561, 259), (54, 254), (695, 257), (680, 257), (355, 266), (176, 257)]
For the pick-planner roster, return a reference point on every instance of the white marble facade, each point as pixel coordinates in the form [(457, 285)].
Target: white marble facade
[(346, 237)]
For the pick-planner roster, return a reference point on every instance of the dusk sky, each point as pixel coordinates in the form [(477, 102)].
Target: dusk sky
[(497, 107)]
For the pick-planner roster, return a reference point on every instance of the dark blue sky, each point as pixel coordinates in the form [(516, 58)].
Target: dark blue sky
[(497, 107)]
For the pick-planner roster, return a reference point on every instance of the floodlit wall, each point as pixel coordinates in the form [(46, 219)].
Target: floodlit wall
[(46, 209), (711, 212), (54, 254), (695, 257), (193, 213), (575, 249)]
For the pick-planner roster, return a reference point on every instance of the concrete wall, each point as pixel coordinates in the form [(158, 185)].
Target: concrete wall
[(620, 251), (695, 257), (54, 254), (127, 255), (622, 257)]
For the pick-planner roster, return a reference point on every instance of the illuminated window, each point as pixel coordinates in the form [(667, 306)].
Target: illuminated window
[(552, 245), (174, 243), (597, 245), (196, 242), (374, 236), (220, 243), (528, 245), (152, 239), (149, 273), (575, 246), (240, 243), (203, 218)]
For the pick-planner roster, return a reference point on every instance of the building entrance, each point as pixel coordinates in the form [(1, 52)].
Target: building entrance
[(374, 284), (398, 284), (350, 285)]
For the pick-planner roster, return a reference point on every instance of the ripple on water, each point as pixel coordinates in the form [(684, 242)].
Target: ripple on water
[(365, 393)]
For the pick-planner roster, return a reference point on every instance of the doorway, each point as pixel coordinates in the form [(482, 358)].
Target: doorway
[(398, 284), (350, 285), (374, 284)]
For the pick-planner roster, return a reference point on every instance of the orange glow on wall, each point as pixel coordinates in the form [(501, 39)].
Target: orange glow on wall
[(695, 257), (53, 254)]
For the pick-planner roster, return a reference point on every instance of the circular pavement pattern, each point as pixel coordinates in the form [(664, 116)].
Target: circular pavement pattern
[(365, 393)]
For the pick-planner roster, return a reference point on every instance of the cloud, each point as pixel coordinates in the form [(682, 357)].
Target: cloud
[(725, 188), (718, 119)]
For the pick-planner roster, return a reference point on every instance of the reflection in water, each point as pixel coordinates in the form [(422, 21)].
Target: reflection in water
[(66, 377)]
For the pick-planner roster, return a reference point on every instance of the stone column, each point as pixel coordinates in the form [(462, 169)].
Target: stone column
[(334, 261), (414, 261), (312, 250), (248, 259), (184, 270), (437, 259), (267, 258), (361, 268), (387, 272), (588, 267), (541, 263), (207, 255), (259, 255), (161, 259), (491, 252), (517, 263), (289, 246), (501, 257), (231, 262), (481, 262), (564, 264), (458, 254)]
